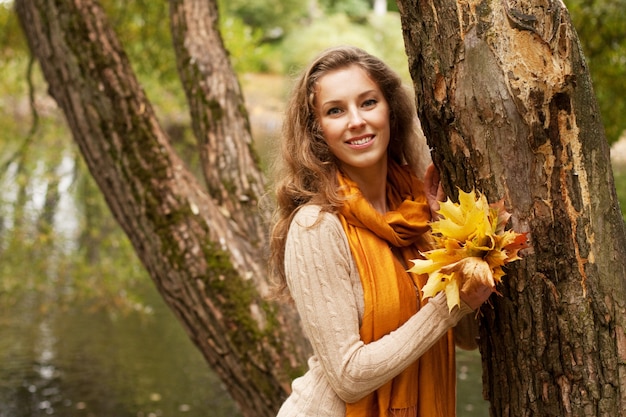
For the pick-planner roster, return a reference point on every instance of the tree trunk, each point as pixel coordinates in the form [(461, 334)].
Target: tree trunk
[(505, 100), (219, 119), (207, 262)]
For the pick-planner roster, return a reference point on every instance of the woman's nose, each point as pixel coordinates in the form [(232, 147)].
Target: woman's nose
[(355, 120)]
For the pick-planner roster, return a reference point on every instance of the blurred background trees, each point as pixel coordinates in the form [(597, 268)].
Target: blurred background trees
[(600, 26)]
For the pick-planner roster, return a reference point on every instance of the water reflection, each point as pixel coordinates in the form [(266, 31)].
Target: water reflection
[(79, 362)]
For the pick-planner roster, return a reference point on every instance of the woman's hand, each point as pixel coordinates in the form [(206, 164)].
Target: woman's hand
[(477, 295), (434, 190)]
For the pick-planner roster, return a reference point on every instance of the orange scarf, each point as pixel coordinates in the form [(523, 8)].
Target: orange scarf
[(426, 388)]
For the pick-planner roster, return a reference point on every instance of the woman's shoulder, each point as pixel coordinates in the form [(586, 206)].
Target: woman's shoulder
[(312, 225), (312, 215)]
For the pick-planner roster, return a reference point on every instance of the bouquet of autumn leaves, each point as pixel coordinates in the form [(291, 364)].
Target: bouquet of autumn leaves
[(471, 246)]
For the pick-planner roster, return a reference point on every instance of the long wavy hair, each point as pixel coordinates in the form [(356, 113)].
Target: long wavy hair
[(305, 171)]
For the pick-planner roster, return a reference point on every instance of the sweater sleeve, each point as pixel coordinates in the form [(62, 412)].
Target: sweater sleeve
[(319, 267)]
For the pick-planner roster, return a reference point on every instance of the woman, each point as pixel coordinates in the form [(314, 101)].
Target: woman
[(351, 214)]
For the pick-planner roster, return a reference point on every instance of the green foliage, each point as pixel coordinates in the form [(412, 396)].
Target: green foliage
[(355, 9), (12, 43), (13, 99), (251, 30), (246, 46), (602, 32), (379, 35), (143, 28), (273, 18)]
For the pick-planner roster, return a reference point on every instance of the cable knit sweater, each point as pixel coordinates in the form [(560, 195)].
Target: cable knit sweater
[(325, 285)]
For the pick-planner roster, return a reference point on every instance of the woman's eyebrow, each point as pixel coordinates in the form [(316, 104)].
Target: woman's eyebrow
[(360, 95)]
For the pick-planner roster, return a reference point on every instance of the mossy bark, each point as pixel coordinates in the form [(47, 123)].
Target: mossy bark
[(505, 100), (204, 250)]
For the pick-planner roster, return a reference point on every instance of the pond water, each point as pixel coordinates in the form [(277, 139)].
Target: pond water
[(82, 361)]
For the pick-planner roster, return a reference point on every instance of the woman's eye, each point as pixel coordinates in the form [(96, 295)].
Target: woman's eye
[(369, 103), (333, 111)]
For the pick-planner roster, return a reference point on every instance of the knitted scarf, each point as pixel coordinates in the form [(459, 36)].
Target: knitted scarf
[(426, 388)]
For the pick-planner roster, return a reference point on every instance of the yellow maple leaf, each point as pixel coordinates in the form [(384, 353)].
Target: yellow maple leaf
[(470, 247), (464, 220)]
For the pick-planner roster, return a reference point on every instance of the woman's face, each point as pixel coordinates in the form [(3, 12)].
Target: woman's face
[(354, 117)]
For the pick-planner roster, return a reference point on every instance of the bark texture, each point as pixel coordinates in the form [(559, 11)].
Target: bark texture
[(505, 100), (219, 117), (204, 250)]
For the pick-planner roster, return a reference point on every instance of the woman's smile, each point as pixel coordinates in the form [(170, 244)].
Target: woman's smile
[(361, 141)]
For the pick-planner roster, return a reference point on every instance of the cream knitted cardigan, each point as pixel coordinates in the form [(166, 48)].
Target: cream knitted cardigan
[(325, 285)]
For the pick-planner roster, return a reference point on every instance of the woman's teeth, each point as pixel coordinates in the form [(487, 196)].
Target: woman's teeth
[(361, 141)]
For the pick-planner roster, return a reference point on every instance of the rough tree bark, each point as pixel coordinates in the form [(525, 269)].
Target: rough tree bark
[(204, 250), (506, 101)]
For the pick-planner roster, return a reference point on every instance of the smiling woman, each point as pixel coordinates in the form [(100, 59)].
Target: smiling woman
[(351, 215)]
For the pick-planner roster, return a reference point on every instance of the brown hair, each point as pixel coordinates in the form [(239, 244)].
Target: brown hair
[(306, 170)]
